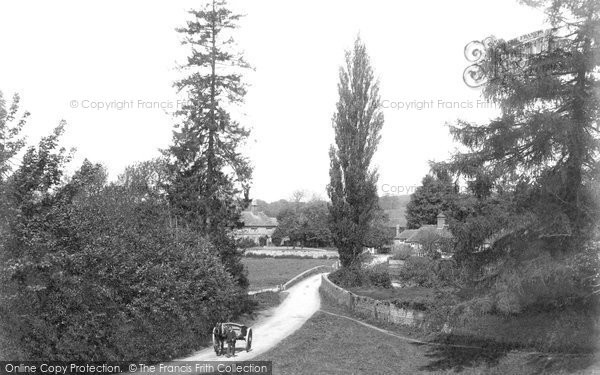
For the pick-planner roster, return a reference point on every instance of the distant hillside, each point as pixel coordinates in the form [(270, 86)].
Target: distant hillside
[(393, 205)]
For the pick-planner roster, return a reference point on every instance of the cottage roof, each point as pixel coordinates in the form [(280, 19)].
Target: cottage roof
[(405, 234), (429, 232), (257, 219)]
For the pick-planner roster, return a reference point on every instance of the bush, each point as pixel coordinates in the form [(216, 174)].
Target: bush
[(401, 252), (109, 278), (417, 271), (385, 249), (545, 283), (348, 277), (262, 240), (246, 243), (377, 276), (427, 272)]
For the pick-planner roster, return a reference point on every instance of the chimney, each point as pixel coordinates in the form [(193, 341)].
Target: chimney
[(253, 207), (397, 230), (441, 220)]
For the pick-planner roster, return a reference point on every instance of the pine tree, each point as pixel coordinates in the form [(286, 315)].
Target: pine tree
[(357, 124), (435, 195), (208, 172), (545, 141)]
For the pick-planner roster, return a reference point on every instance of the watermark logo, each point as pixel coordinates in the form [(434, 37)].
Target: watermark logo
[(399, 189), (390, 189), (493, 59), (436, 104), (127, 104)]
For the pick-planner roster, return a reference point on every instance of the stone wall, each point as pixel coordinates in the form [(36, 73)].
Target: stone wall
[(369, 308)]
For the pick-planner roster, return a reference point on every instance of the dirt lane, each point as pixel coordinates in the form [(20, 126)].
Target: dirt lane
[(301, 303)]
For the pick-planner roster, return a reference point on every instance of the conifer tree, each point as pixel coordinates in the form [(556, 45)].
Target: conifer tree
[(545, 143), (209, 176)]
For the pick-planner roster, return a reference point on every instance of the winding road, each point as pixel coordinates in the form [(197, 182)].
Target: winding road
[(301, 303)]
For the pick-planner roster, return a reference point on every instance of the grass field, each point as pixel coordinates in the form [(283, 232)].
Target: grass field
[(332, 345), (270, 272)]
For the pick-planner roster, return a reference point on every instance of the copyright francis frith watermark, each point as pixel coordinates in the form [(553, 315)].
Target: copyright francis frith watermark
[(127, 104)]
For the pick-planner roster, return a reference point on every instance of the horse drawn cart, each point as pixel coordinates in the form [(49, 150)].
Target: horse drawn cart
[(230, 333)]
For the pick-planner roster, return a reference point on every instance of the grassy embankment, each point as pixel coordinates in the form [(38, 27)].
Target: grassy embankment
[(333, 345)]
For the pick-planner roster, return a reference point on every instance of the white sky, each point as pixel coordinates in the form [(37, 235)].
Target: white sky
[(56, 52)]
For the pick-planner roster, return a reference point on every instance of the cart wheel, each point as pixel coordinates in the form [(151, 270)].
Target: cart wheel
[(216, 345), (249, 340)]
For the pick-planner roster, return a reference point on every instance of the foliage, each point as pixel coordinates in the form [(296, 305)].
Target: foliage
[(544, 283), (437, 194), (533, 170), (306, 224), (262, 241), (378, 276), (379, 233), (246, 243), (10, 130), (427, 272), (207, 173), (401, 251), (92, 271), (274, 209), (357, 125), (146, 179), (351, 277), (544, 146), (276, 240)]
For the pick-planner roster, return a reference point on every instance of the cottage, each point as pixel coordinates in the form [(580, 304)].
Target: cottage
[(429, 237), (402, 236), (256, 225)]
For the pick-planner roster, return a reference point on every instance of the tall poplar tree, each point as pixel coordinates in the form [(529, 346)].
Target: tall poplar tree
[(209, 176), (357, 124)]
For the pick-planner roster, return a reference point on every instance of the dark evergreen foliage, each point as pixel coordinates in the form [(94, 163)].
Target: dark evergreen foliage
[(357, 124), (209, 178)]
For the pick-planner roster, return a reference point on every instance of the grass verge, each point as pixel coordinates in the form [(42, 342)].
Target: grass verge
[(333, 345)]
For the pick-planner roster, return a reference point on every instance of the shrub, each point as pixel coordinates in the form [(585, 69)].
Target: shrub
[(417, 271), (262, 240), (276, 241), (385, 249), (376, 276), (427, 272), (545, 283), (348, 277), (365, 257), (246, 243), (401, 252), (109, 278)]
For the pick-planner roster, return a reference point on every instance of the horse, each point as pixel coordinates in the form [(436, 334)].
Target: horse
[(224, 334), (220, 336)]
